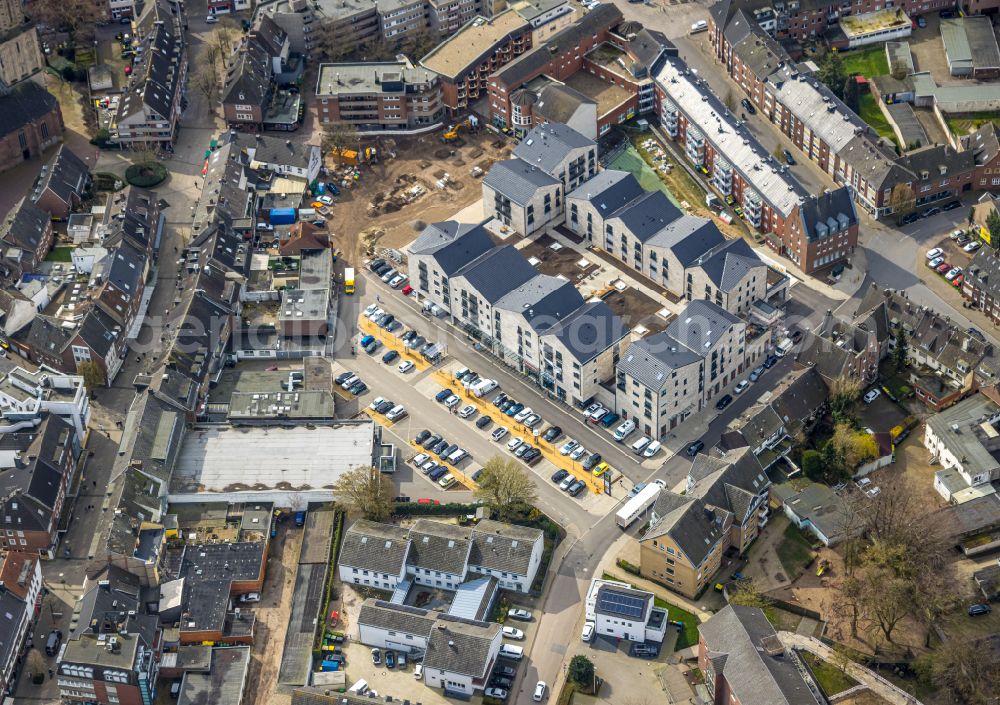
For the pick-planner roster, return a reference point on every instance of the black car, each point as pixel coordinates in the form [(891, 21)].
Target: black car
[(770, 361), (796, 336), (499, 400), (910, 218), (951, 205), (552, 434), (450, 449), (408, 335), (375, 264), (591, 462), (724, 401), (532, 456), (933, 210), (789, 159), (342, 377), (501, 682), (358, 387), (387, 321), (442, 395), (559, 475), (390, 659), (430, 442), (947, 14), (381, 269), (506, 405), (748, 106), (643, 651), (502, 670), (695, 448), (385, 406), (441, 447), (422, 436), (417, 342), (977, 334), (483, 422), (390, 356), (576, 488)]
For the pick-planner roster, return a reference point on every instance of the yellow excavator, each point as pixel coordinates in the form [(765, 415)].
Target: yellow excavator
[(451, 134)]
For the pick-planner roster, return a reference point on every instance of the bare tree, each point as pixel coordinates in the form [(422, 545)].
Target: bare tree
[(748, 594), (367, 492), (844, 391), (329, 42), (74, 15), (505, 486), (35, 665), (205, 80), (338, 136), (969, 670), (225, 38), (902, 200)]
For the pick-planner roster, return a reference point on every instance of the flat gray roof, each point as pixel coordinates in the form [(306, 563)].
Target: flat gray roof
[(224, 684), (348, 78), (233, 459)]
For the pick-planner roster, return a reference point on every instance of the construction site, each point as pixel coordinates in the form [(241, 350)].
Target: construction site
[(412, 181)]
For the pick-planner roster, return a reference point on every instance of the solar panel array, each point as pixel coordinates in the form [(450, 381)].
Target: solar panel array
[(625, 605)]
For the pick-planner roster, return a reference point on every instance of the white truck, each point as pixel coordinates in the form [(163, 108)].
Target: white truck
[(636, 507), (784, 347)]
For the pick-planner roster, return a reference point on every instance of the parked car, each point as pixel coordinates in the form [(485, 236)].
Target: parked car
[(933, 210), (442, 395), (513, 633), (499, 433), (652, 449), (952, 273), (872, 395), (567, 482), (390, 659), (498, 693), (695, 448), (483, 421), (770, 361), (532, 456), (950, 205), (568, 447), (576, 488), (358, 388), (979, 610), (514, 443), (724, 401), (420, 458), (552, 433), (588, 631), (622, 432), (390, 356), (597, 414), (422, 436), (466, 411), (395, 413), (748, 106), (591, 462), (757, 372), (578, 452), (609, 419), (343, 377), (521, 450), (559, 475), (540, 689), (430, 442), (935, 263), (501, 682), (600, 469), (376, 656), (741, 386), (973, 246), (405, 366), (521, 614), (643, 651), (789, 159)]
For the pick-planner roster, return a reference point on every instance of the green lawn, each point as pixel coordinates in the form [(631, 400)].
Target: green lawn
[(689, 635), (869, 111), (831, 679), (794, 552), (60, 254), (867, 62), (968, 122), (631, 161)]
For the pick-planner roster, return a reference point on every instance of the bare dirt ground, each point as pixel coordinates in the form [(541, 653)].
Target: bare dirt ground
[(376, 210), (273, 613)]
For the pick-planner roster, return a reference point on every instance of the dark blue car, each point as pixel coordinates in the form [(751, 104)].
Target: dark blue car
[(442, 395)]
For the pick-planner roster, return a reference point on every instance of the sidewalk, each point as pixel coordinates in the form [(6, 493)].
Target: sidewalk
[(608, 565), (876, 683), (782, 264)]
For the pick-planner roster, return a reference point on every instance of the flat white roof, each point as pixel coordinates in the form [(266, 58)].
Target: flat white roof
[(237, 458), (736, 145)]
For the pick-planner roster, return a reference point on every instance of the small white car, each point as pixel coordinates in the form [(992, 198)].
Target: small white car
[(418, 671), (405, 367), (397, 281), (326, 199), (513, 633), (540, 690), (578, 452), (451, 401), (933, 264), (250, 597), (518, 613), (523, 414), (973, 246), (467, 411), (741, 386), (514, 443), (374, 313), (872, 395), (211, 19), (499, 693), (420, 458), (375, 402), (568, 447), (588, 631), (952, 273), (498, 434), (396, 413), (651, 450), (370, 309)]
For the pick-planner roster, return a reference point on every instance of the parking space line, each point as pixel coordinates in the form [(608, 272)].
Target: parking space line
[(455, 472), (393, 343), (550, 453)]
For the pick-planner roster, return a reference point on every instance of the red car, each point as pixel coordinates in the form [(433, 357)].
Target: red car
[(957, 281), (943, 268), (425, 500), (407, 290)]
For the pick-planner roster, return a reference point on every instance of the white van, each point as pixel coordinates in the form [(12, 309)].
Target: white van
[(483, 386), (395, 413), (784, 347), (510, 651), (458, 456), (640, 445), (624, 429), (699, 26), (361, 687)]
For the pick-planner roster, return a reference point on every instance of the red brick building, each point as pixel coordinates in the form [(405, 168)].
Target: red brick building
[(32, 122), (28, 229)]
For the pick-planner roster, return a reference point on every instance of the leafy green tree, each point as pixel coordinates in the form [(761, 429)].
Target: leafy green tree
[(844, 391), (899, 352), (993, 225), (366, 491), (93, 376), (581, 671), (812, 464), (852, 94), (832, 73)]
